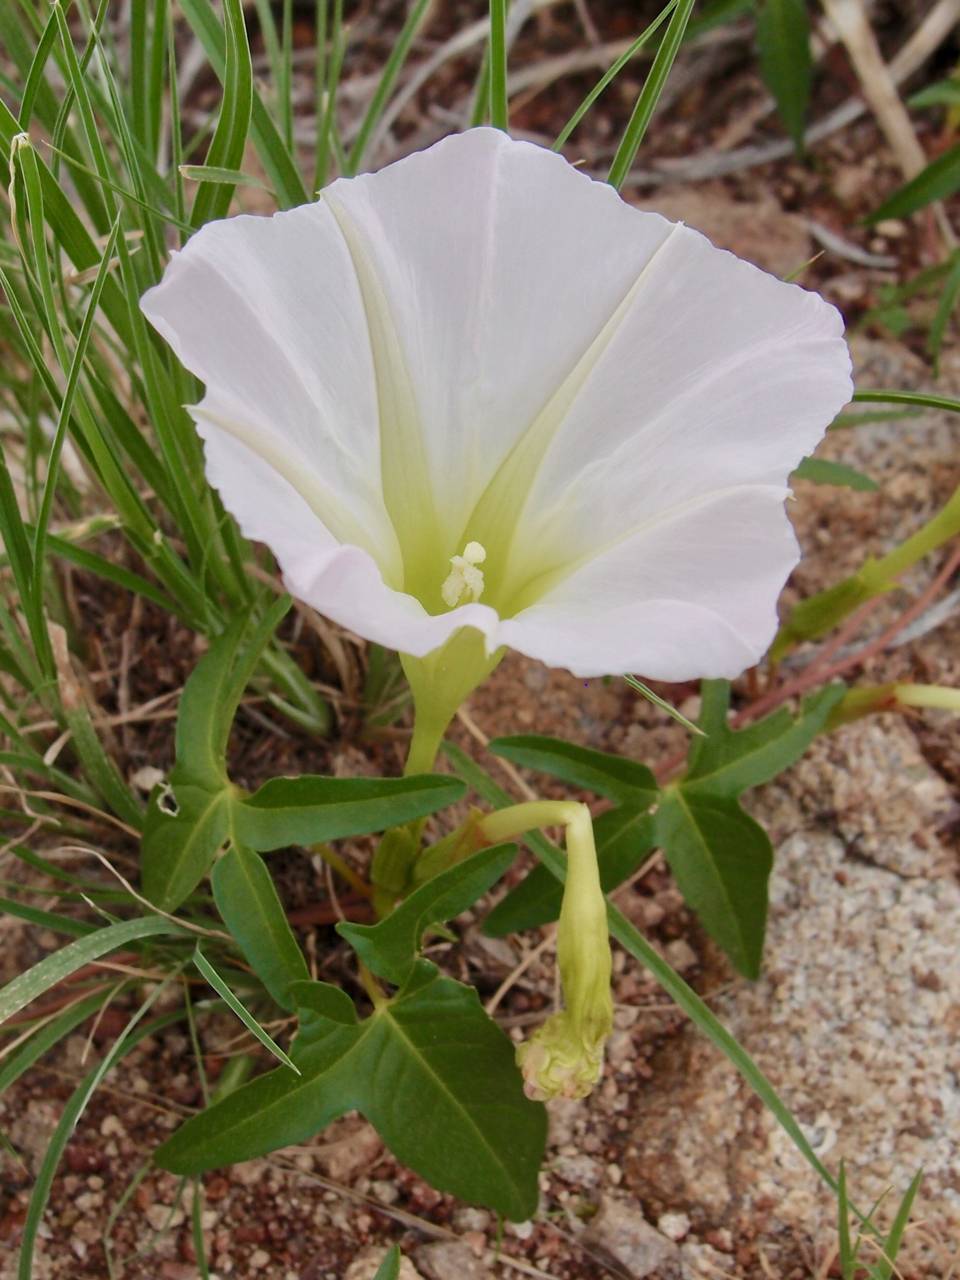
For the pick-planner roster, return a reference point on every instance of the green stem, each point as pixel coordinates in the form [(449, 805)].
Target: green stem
[(504, 824), (928, 695), (428, 734), (938, 530)]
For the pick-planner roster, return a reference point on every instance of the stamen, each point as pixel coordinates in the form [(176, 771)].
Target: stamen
[(464, 582)]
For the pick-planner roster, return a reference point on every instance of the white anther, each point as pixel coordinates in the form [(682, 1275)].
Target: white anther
[(464, 582)]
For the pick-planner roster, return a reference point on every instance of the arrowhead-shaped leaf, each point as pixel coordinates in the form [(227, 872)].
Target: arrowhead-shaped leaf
[(212, 694), (726, 762), (247, 900), (721, 859), (390, 947), (432, 1073), (185, 827), (310, 808), (608, 775)]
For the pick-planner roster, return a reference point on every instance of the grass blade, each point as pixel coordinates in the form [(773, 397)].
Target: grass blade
[(627, 56), (499, 107), (232, 1003), (394, 65), (127, 1040), (54, 968), (650, 94), (883, 1270), (937, 181), (924, 399)]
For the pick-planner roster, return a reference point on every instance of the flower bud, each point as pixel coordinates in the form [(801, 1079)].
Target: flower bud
[(564, 1058)]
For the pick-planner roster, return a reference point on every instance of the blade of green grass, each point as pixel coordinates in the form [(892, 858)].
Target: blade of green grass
[(650, 94), (497, 59), (924, 399), (230, 136), (230, 1000), (280, 165), (398, 57), (883, 1270), (614, 70), (54, 968), (128, 1039)]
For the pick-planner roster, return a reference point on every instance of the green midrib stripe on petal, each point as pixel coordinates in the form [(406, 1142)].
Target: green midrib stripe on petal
[(496, 516), (404, 468)]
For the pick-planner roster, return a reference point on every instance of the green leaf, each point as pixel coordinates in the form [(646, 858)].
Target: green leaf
[(247, 900), (617, 66), (497, 64), (433, 1074), (184, 829), (923, 399), (937, 181), (212, 694), (214, 174), (624, 838), (608, 775), (649, 96), (783, 36), (318, 1004), (883, 1270), (233, 123), (46, 1037), (726, 762), (721, 860), (54, 968), (945, 93), (390, 947), (311, 808), (845, 1248), (279, 165), (636, 944), (389, 1268), (823, 471)]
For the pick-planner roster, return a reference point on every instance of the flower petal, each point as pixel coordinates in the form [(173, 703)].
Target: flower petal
[(718, 375), (343, 582), (499, 264), (693, 595), (267, 312)]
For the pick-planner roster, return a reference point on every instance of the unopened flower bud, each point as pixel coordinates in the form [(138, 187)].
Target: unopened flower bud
[(564, 1058)]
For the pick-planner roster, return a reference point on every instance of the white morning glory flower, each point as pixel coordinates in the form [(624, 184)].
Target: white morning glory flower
[(478, 390)]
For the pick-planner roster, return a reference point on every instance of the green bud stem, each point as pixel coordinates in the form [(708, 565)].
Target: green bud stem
[(938, 696), (869, 699)]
